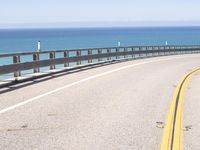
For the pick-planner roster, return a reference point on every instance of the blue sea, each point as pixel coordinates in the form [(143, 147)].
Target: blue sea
[(21, 40)]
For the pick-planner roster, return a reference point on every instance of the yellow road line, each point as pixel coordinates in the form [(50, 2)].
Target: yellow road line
[(172, 135)]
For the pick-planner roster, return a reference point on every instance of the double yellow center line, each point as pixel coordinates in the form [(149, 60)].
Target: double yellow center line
[(172, 136)]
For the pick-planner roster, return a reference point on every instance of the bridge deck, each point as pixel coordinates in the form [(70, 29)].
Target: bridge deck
[(191, 114), (110, 107)]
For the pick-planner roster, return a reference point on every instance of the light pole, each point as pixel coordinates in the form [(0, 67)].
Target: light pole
[(119, 44), (39, 46)]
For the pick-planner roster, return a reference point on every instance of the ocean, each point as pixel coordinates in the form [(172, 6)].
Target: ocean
[(23, 40), (20, 40)]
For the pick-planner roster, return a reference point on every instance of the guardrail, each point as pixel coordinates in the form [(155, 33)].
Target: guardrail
[(89, 55)]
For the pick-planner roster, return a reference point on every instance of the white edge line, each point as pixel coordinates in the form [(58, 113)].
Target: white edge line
[(78, 82)]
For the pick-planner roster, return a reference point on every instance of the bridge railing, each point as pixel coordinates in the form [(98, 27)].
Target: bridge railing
[(89, 55)]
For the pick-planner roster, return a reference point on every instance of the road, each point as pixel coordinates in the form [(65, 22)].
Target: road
[(191, 114), (109, 107)]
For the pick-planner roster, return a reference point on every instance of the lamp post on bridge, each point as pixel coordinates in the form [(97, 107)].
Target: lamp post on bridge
[(39, 46), (119, 44), (36, 57)]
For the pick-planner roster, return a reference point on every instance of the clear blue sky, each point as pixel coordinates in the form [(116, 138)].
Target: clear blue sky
[(98, 12)]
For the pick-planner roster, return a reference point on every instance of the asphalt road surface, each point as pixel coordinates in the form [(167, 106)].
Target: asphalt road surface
[(109, 107), (191, 116)]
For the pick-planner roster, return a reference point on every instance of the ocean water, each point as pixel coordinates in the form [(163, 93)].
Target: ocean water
[(21, 40)]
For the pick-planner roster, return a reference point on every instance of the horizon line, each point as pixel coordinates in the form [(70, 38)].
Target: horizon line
[(100, 27), (102, 24)]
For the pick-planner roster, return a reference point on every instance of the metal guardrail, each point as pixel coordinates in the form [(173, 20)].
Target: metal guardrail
[(88, 54)]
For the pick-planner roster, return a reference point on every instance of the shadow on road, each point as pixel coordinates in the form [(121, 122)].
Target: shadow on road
[(11, 86)]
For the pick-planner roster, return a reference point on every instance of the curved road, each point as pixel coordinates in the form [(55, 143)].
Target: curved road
[(110, 107)]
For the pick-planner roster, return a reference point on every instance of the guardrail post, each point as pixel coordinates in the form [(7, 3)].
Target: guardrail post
[(164, 49), (153, 51), (140, 50), (36, 58), (108, 52), (170, 50), (117, 51), (159, 49), (99, 53), (89, 53), (52, 56), (192, 51), (197, 51), (180, 50), (177, 51), (125, 52), (66, 54), (185, 51), (16, 59), (133, 56), (78, 54), (174, 50), (146, 48)]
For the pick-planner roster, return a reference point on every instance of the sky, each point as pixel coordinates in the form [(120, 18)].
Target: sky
[(83, 13)]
